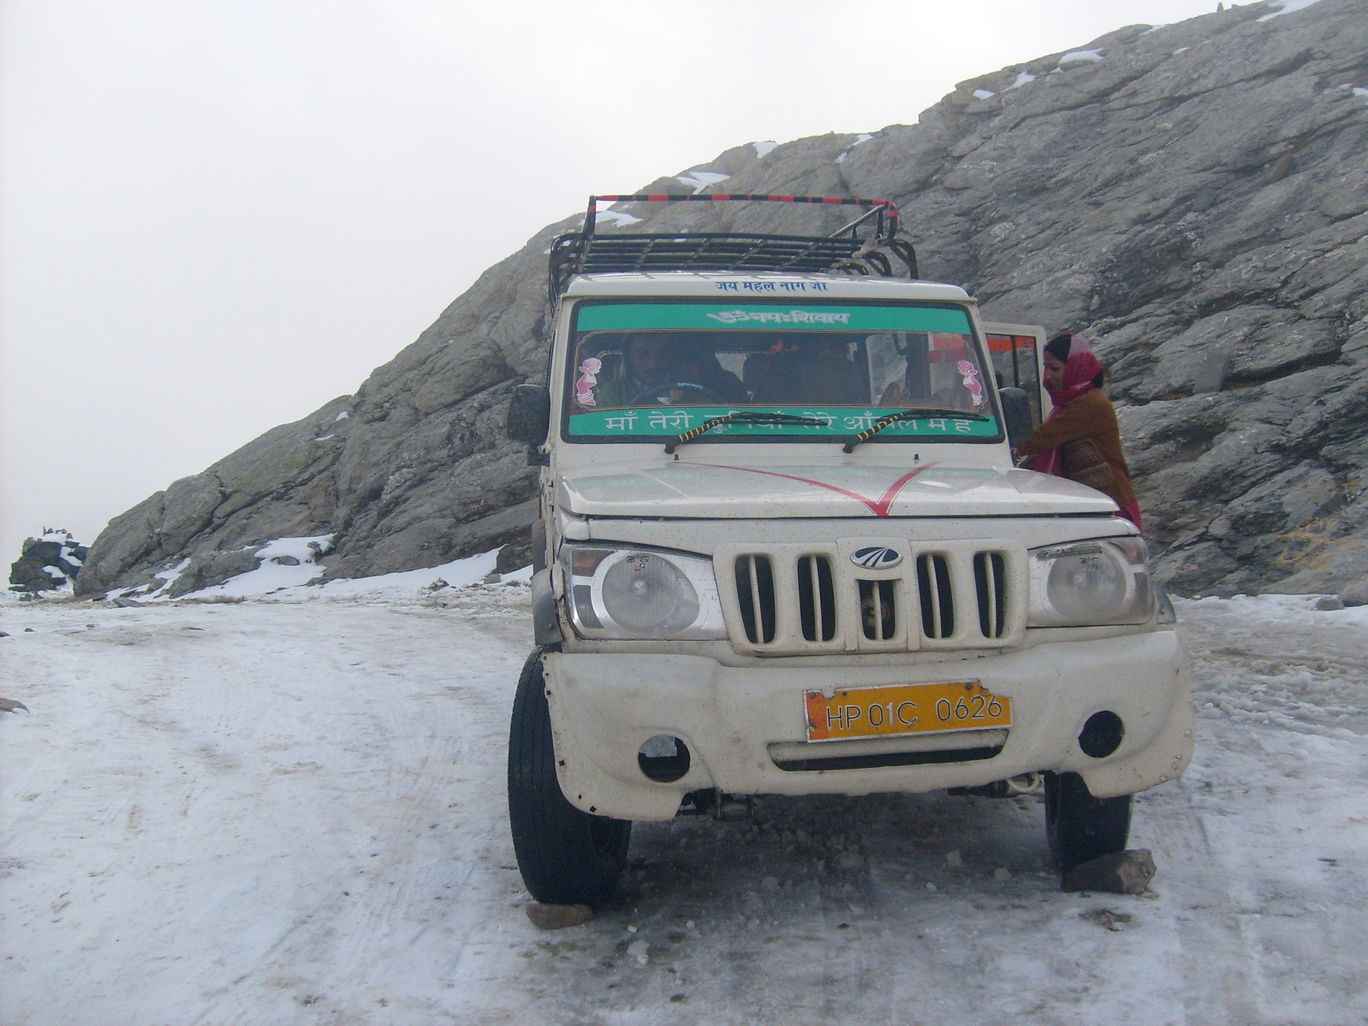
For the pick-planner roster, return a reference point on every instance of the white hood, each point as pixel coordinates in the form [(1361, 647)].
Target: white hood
[(699, 489)]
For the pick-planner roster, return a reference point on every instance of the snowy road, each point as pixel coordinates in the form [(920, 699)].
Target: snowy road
[(266, 813)]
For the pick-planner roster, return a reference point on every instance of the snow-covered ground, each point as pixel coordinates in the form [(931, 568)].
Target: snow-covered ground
[(291, 810)]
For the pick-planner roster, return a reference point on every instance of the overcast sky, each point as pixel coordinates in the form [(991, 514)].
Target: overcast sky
[(216, 215)]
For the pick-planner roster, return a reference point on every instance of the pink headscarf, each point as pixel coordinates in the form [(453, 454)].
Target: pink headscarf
[(1080, 369)]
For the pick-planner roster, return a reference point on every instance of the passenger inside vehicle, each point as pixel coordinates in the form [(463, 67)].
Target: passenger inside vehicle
[(809, 369)]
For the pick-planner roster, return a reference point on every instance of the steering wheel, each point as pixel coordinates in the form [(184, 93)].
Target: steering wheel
[(652, 394)]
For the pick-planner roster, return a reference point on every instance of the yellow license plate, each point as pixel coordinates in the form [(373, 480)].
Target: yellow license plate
[(899, 709)]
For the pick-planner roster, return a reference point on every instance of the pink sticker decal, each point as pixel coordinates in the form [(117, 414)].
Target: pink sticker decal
[(588, 378), (970, 375)]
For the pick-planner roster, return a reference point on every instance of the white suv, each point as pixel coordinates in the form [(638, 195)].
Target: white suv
[(783, 549)]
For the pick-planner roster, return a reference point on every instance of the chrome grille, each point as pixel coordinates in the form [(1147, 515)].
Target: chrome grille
[(794, 599)]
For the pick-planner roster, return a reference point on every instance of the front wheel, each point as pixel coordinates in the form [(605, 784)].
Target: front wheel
[(566, 856), (1080, 827)]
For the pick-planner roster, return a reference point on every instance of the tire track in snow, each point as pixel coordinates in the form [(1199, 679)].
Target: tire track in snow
[(419, 738), (1202, 915)]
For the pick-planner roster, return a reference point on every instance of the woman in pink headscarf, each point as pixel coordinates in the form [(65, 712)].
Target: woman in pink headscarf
[(1080, 438)]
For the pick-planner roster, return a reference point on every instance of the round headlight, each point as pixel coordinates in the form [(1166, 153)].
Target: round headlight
[(646, 592), (1086, 583)]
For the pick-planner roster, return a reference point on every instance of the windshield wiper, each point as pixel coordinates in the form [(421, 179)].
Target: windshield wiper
[(741, 417), (894, 418)]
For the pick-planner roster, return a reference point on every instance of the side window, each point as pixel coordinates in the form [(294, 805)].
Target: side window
[(1016, 362)]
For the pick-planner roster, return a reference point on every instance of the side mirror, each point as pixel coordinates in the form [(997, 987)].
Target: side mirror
[(1016, 410), (529, 415)]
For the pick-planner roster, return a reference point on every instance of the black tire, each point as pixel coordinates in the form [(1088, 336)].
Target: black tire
[(566, 857), (1080, 827)]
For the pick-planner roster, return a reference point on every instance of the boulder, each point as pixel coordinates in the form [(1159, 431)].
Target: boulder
[(47, 563), (557, 917), (1122, 872), (1355, 593)]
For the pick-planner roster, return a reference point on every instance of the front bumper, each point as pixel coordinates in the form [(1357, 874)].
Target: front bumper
[(741, 723)]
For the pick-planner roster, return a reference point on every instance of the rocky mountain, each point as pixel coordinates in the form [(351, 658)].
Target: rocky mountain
[(50, 562), (1191, 197)]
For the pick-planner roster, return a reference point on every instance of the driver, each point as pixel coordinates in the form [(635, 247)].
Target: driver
[(648, 361), (651, 361)]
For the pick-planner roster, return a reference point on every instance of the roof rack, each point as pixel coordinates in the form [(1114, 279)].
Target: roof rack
[(844, 251)]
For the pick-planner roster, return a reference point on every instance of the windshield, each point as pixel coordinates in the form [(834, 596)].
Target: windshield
[(649, 370)]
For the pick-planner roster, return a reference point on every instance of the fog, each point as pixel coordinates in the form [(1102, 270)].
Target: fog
[(217, 216)]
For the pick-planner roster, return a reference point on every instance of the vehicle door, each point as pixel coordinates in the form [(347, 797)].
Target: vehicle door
[(1018, 355)]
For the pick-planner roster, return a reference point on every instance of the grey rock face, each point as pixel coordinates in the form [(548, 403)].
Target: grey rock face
[(46, 563), (1194, 202)]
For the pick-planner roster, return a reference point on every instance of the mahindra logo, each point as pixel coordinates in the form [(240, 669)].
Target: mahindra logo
[(876, 557)]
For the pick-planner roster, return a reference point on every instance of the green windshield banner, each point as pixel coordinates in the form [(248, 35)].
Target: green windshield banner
[(800, 316), (834, 422)]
